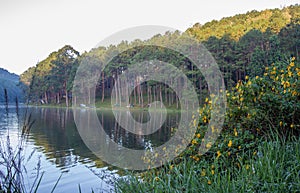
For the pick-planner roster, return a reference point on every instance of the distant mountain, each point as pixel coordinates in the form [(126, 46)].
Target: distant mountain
[(10, 82)]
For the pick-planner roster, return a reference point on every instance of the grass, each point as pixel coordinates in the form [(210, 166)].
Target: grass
[(13, 161), (274, 168)]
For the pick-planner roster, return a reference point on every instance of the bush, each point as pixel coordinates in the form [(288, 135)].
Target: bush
[(257, 107)]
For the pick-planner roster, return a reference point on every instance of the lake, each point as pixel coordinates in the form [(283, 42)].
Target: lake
[(56, 142)]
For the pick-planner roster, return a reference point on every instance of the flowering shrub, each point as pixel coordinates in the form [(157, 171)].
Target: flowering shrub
[(256, 107)]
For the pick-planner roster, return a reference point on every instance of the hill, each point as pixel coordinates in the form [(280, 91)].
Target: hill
[(272, 20), (10, 82)]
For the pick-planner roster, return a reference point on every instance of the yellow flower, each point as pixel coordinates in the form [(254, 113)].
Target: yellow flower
[(194, 142), (246, 77), (208, 145), (286, 84), (203, 173), (280, 123), (218, 154), (292, 125), (209, 182), (292, 64), (241, 99), (204, 119), (230, 143), (247, 167), (235, 132), (212, 172), (198, 135), (294, 93), (256, 77)]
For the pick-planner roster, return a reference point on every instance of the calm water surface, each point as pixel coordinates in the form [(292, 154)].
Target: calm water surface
[(56, 142)]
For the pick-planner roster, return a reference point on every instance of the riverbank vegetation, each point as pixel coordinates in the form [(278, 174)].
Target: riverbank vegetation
[(257, 151)]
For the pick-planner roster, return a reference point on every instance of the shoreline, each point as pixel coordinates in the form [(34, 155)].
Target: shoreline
[(134, 109)]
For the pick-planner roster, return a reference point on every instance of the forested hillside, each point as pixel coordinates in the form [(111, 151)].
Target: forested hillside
[(235, 27), (242, 45), (10, 83)]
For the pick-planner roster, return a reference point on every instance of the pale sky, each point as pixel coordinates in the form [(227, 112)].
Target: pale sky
[(31, 29)]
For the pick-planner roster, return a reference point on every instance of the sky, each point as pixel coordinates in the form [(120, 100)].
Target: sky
[(30, 30)]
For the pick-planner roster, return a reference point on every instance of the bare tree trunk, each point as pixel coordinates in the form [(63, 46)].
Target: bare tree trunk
[(160, 96), (139, 91), (46, 97), (75, 100), (103, 87), (67, 98), (142, 96), (116, 91), (166, 95), (148, 94), (89, 95), (154, 96), (134, 91), (120, 91)]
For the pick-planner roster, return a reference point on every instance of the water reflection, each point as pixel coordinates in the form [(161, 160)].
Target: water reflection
[(133, 135), (56, 135), (60, 147)]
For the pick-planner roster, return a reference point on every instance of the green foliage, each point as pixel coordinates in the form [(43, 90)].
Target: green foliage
[(52, 78), (237, 26), (274, 168), (256, 108)]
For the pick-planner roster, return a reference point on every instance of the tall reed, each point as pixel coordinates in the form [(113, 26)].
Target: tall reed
[(12, 159)]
